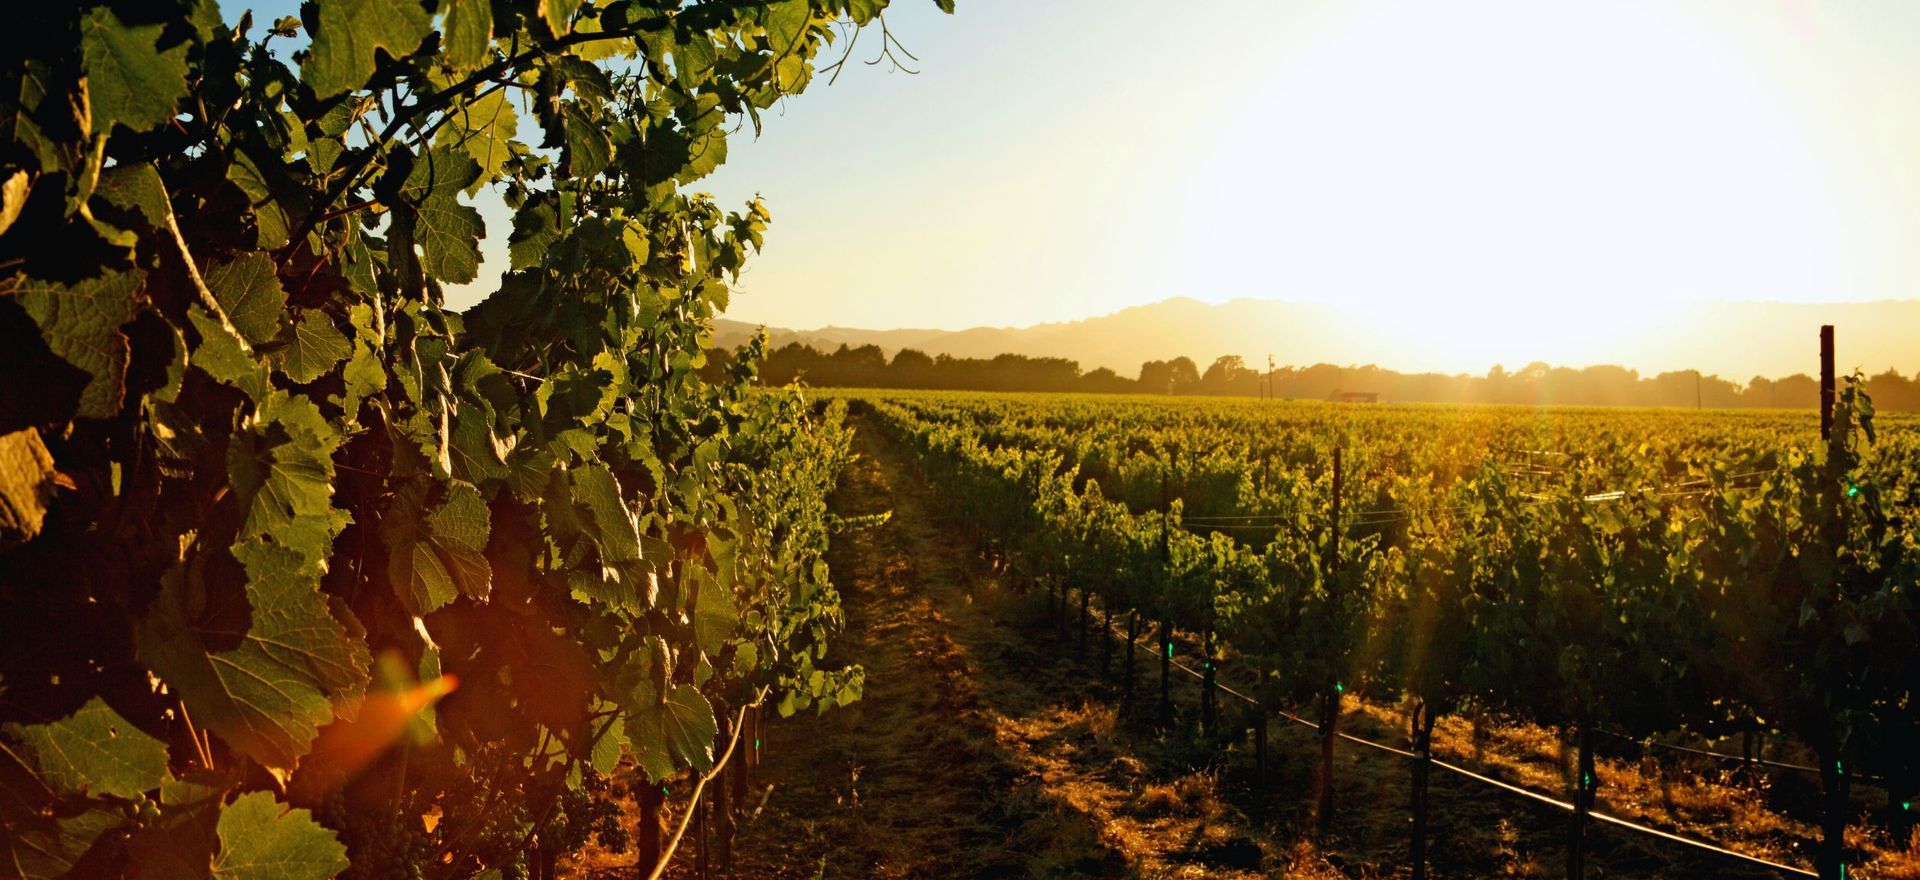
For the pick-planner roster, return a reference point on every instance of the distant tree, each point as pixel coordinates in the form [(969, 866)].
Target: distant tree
[(1184, 374), (912, 359), (1229, 375), (1106, 381), (1156, 377), (911, 368), (1890, 390), (1798, 391)]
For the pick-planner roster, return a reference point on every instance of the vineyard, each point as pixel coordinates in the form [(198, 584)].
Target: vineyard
[(305, 573), (1634, 579)]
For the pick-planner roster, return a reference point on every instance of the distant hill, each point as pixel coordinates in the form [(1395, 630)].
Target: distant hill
[(1737, 340)]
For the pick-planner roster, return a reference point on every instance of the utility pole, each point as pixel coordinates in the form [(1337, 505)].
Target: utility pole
[(1826, 381)]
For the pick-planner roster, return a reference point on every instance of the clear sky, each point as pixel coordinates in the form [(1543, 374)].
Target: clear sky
[(1413, 159), (1565, 166)]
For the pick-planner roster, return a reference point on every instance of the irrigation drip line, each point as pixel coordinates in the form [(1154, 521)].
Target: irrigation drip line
[(1723, 756), (1625, 824)]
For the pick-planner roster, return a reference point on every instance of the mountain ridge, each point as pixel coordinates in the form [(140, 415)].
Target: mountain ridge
[(1733, 339)]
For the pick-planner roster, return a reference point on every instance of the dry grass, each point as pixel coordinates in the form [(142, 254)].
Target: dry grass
[(1706, 802)]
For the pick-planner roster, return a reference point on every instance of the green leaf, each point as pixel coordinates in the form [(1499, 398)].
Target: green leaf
[(478, 454), (281, 464), (536, 226), (136, 189), (618, 533), (350, 32), (676, 731), (81, 323), (467, 33), (558, 15), (447, 231), (314, 346), (181, 843), (93, 751), (129, 80), (26, 486), (289, 658), (248, 288), (272, 227), (714, 617), (693, 59), (38, 846), (13, 197), (588, 149), (786, 24), (864, 11), (484, 129), (365, 376), (606, 750), (436, 556), (601, 49), (262, 839), (223, 355)]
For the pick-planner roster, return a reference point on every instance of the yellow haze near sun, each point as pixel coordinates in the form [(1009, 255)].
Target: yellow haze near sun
[(1506, 180)]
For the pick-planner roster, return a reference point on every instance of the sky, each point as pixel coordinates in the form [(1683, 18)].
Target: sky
[(1476, 171)]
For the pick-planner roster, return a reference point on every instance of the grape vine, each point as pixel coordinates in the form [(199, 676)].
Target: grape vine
[(303, 574)]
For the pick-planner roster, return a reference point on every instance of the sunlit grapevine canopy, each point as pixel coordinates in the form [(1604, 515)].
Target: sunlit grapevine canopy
[(279, 530)]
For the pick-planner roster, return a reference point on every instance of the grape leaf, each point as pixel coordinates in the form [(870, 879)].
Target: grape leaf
[(678, 729), (786, 24), (588, 149), (248, 288), (269, 692), (349, 32), (93, 751), (467, 33), (596, 488), (181, 843), (863, 11), (714, 617), (13, 197), (138, 189), (314, 346), (271, 224), (81, 323), (483, 128), (365, 376), (435, 556), (281, 465), (447, 231), (36, 846), (129, 80), (263, 839), (223, 355), (605, 756), (559, 15), (536, 226), (26, 485)]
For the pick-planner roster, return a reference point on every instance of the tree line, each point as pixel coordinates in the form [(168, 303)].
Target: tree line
[(868, 366)]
